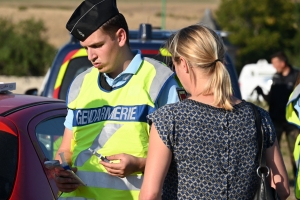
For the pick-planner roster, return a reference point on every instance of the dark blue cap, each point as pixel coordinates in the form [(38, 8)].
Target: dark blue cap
[(89, 16)]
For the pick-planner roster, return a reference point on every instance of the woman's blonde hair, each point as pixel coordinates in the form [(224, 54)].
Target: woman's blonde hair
[(202, 47)]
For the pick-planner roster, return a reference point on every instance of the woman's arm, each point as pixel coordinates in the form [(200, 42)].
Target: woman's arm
[(278, 174), (157, 165)]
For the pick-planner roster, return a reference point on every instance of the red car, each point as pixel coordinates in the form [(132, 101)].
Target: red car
[(29, 128)]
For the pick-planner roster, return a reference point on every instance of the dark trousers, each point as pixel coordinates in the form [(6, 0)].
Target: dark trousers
[(291, 132)]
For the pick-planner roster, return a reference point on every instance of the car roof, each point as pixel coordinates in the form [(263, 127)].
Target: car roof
[(10, 102)]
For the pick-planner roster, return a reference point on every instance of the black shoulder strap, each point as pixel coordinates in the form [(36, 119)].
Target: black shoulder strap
[(104, 84)]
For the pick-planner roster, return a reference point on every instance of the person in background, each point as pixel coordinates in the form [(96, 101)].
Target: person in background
[(108, 105), (293, 117), (205, 147), (282, 86)]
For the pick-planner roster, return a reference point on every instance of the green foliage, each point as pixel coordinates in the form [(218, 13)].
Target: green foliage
[(24, 49), (259, 28)]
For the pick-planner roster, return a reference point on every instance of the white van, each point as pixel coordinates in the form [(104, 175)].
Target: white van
[(253, 75)]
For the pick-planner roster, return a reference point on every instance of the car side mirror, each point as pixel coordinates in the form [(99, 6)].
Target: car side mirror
[(32, 91)]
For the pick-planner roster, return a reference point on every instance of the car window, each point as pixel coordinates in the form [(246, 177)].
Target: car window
[(49, 134), (75, 67), (9, 161)]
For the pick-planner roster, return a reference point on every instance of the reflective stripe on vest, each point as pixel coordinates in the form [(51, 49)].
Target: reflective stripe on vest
[(104, 180), (107, 131), (76, 85), (161, 74)]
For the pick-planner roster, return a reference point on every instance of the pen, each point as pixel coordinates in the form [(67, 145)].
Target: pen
[(99, 155)]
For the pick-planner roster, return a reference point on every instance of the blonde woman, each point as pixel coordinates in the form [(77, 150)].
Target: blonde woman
[(205, 147)]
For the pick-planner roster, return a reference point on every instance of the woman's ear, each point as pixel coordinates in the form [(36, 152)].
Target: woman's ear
[(121, 36), (184, 65)]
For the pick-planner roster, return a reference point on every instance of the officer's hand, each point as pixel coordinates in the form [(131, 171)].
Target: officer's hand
[(128, 164), (259, 90), (64, 180)]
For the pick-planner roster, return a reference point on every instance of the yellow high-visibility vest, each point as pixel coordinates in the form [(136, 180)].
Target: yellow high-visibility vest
[(292, 116), (112, 122)]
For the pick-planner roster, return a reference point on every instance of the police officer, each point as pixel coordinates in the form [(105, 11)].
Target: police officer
[(108, 105), (283, 84), (293, 117)]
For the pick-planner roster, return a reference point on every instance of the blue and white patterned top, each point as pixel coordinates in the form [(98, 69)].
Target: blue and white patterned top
[(214, 150)]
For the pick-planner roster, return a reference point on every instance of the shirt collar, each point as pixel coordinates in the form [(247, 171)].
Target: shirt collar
[(133, 66), (135, 63)]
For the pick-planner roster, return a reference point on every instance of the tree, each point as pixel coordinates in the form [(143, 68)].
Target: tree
[(24, 49), (258, 28)]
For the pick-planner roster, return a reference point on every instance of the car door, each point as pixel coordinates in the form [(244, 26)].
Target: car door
[(8, 157), (46, 131), (32, 122)]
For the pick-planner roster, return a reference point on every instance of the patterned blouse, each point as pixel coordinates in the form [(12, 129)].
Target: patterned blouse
[(214, 150)]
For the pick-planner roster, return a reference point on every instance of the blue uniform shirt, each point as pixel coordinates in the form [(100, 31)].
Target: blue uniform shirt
[(167, 96)]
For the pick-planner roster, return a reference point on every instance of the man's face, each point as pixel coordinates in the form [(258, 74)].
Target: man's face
[(278, 64), (102, 50)]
